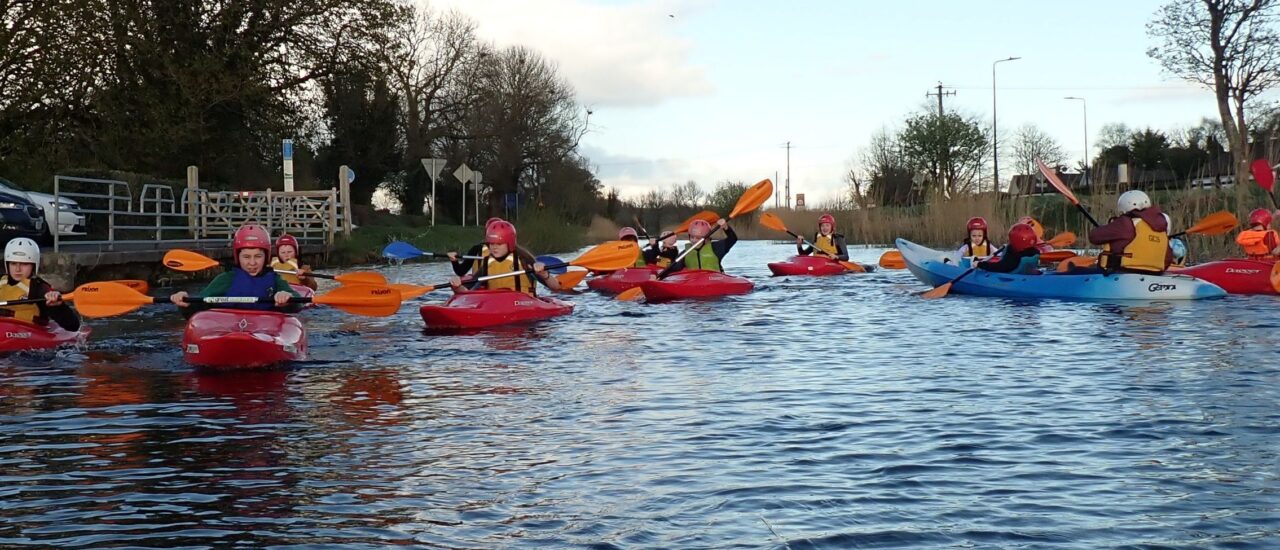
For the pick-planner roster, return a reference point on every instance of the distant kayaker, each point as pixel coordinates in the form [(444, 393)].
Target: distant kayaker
[(709, 253), (1021, 256), (976, 245), (251, 276), (1041, 245), (505, 256), (629, 234), (1137, 240), (21, 262), (286, 259), (1259, 242), (662, 250), (826, 242)]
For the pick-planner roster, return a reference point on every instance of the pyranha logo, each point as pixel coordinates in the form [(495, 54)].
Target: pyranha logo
[(1158, 287)]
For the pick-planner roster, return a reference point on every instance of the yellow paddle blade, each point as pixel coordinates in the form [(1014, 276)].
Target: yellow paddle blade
[(705, 215), (752, 198), (361, 278), (570, 279), (1216, 223), (938, 292), (630, 295), (853, 267), (367, 300), (772, 221), (1062, 240), (107, 299), (1056, 256), (186, 260), (892, 260), (409, 292), (609, 256)]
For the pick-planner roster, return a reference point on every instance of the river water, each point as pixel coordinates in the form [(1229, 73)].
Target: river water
[(813, 413)]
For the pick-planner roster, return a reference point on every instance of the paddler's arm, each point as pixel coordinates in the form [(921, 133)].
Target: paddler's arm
[(537, 270), (801, 249), (219, 286), (842, 251), (61, 313), (283, 286), (722, 247)]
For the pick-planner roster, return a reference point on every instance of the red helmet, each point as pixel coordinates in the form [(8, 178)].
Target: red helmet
[(286, 240), (251, 236), (827, 218), (1021, 237), (627, 232), (1261, 217), (501, 232), (1035, 225), (490, 221), (702, 227), (976, 223)]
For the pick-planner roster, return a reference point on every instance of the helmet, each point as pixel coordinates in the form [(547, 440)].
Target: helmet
[(286, 240), (1179, 249), (1261, 217), (827, 218), (1035, 225), (251, 236), (1021, 237), (1132, 200), (501, 232), (22, 250), (976, 222), (702, 228), (627, 232), (490, 221)]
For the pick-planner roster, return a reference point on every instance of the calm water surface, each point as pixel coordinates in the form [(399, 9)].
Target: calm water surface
[(814, 413)]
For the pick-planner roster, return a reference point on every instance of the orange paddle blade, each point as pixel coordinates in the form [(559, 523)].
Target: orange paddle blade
[(186, 260), (892, 260), (1216, 223), (408, 292), (368, 300), (1057, 182), (853, 267), (752, 198), (1056, 256), (772, 221), (361, 278), (938, 292), (1079, 261), (609, 256), (1275, 276), (705, 215), (107, 299), (570, 279), (1062, 240), (630, 295)]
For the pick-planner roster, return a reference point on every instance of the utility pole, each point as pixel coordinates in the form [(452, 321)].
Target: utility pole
[(777, 193), (788, 174), (939, 93), (941, 152)]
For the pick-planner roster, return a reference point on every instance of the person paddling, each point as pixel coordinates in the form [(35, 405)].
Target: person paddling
[(1021, 256), (826, 242), (21, 262), (463, 266), (629, 234), (1136, 241), (1041, 245), (251, 276), (662, 250), (505, 256), (286, 259), (976, 245), (1259, 242), (708, 253)]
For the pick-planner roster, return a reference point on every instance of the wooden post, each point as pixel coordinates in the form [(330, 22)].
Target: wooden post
[(193, 187), (344, 188), (333, 217)]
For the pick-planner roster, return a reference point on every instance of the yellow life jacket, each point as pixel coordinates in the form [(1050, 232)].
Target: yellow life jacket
[(523, 283), (1255, 243), (980, 250), (291, 265), (702, 258), (1146, 252), (18, 291), (663, 261), (826, 244)]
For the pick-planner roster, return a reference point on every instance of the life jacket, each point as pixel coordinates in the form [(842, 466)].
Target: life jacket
[(521, 283), (825, 244), (640, 259), (244, 284), (1258, 244), (702, 258), (1146, 252), (11, 289), (983, 250), (664, 259), (291, 265)]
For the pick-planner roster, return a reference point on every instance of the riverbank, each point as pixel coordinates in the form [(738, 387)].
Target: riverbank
[(541, 233)]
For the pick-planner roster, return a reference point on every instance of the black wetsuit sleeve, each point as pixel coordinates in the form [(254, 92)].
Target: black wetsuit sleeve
[(651, 253), (803, 250), (1009, 261), (842, 251), (722, 247), (462, 267), (66, 317)]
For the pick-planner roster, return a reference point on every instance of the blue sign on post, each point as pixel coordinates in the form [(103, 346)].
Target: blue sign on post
[(288, 149), (511, 200)]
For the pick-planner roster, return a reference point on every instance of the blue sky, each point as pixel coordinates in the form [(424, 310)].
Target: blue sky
[(713, 92)]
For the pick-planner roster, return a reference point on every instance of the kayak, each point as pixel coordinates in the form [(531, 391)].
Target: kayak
[(623, 279), (934, 267), (1236, 275), (303, 291), (23, 336), (227, 339), (490, 308), (807, 265), (695, 284)]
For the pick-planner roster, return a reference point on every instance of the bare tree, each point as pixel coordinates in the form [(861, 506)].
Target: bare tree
[(1228, 46), (685, 196), (1031, 143)]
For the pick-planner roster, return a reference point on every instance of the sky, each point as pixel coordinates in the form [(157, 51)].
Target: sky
[(709, 90)]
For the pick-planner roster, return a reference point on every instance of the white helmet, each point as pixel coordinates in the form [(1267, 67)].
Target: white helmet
[(22, 250), (1132, 200)]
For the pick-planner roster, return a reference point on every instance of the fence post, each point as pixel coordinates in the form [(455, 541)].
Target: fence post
[(344, 187), (333, 217), (271, 211)]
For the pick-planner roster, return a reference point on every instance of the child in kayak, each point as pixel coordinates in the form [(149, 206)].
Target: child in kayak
[(505, 256), (1136, 241), (462, 266), (286, 259), (21, 262), (708, 253), (976, 245), (826, 242), (662, 250), (1259, 242), (251, 276), (1039, 231), (1021, 256), (629, 234)]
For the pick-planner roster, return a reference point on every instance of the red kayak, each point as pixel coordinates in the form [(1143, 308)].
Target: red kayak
[(228, 339), (491, 308), (303, 291), (1236, 276), (695, 284), (623, 279), (23, 336), (807, 265)]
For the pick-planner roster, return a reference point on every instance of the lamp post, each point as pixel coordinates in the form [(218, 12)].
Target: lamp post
[(995, 143), (1084, 105)]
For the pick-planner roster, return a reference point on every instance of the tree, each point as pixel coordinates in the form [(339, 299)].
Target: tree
[(725, 196), (887, 172), (1031, 143), (951, 150), (1112, 134), (361, 113), (1228, 46), (685, 196), (1148, 149)]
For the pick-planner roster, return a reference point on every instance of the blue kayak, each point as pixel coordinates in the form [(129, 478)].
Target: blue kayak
[(935, 267)]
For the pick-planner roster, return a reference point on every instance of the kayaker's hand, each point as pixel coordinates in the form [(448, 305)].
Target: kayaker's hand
[(653, 242), (722, 223), (540, 268), (282, 298), (179, 299), (53, 298), (799, 240), (304, 272), (453, 256), (455, 282)]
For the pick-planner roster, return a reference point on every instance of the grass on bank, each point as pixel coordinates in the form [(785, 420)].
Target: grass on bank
[(539, 232)]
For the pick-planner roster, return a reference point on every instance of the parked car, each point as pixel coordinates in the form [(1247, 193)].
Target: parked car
[(70, 223), (20, 217)]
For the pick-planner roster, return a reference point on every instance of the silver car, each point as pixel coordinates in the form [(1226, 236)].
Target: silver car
[(69, 222)]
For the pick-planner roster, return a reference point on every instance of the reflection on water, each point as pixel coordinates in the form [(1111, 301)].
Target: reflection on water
[(834, 413)]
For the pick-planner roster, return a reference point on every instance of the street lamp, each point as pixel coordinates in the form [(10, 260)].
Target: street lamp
[(1084, 105), (995, 143)]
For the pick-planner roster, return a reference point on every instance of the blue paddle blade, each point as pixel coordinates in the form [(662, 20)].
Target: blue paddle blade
[(401, 250), (550, 260)]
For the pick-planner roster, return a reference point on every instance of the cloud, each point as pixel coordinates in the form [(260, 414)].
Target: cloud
[(614, 55), (1175, 93)]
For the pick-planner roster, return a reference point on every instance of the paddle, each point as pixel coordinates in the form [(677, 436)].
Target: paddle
[(705, 215), (944, 288), (772, 221), (1062, 240), (107, 299), (1062, 188), (892, 259), (750, 200), (609, 256), (1275, 276), (1266, 178), (185, 260), (136, 284), (1217, 223), (1056, 256), (400, 250)]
